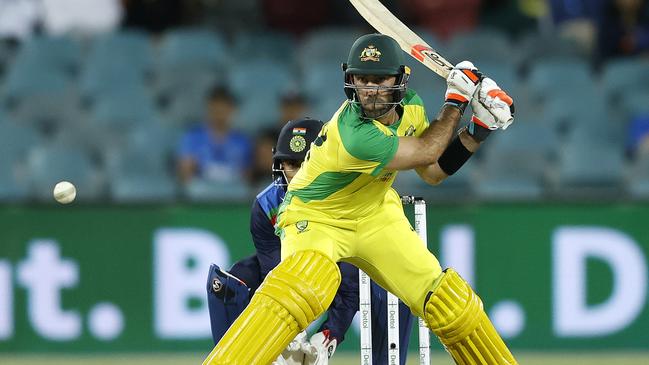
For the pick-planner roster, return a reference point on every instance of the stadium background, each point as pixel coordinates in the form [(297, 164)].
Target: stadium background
[(548, 220)]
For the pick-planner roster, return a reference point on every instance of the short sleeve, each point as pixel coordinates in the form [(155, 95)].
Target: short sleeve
[(421, 121), (369, 149)]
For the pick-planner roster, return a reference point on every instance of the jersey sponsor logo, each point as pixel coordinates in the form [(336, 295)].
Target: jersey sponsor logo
[(297, 144), (370, 53), (301, 226)]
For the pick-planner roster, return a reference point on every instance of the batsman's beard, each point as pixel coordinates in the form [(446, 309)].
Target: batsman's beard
[(373, 107)]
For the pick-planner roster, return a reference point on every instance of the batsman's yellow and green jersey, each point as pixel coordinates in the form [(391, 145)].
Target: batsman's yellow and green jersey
[(343, 177), (341, 203)]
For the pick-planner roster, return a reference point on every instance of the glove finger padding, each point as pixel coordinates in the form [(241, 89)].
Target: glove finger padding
[(497, 102), (293, 354), (325, 340), (462, 82), (320, 348)]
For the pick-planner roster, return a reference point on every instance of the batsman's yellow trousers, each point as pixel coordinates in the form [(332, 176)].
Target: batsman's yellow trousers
[(384, 245)]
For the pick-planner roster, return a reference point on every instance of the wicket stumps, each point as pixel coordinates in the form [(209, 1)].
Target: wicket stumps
[(365, 304)]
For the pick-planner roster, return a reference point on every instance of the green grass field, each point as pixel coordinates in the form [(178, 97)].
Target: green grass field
[(599, 358)]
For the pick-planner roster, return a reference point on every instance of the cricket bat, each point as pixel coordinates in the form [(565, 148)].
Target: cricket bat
[(386, 23)]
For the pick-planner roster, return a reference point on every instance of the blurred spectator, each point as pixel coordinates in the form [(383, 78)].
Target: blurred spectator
[(623, 28), (18, 18), (213, 150), (80, 16), (444, 18), (293, 105), (263, 162), (638, 136), (568, 10), (294, 15), (575, 20)]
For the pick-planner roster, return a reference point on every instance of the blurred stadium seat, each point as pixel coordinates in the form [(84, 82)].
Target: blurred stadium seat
[(428, 85), (15, 142), (325, 107), (516, 162), (50, 163), (505, 75), (190, 62), (590, 169), (130, 47), (124, 109), (17, 139), (56, 54), (101, 78), (327, 46), (269, 45), (547, 46), (138, 173), (38, 93), (255, 114), (260, 79), (635, 103), (323, 81), (117, 61), (258, 86), (12, 180), (564, 112), (625, 77), (553, 78), (187, 47), (202, 191), (182, 94), (482, 45), (142, 92)]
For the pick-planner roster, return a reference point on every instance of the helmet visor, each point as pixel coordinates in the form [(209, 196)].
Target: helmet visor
[(375, 100)]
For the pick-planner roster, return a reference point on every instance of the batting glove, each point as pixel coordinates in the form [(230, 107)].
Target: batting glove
[(322, 347), (462, 82), (492, 109), (293, 354), (499, 104)]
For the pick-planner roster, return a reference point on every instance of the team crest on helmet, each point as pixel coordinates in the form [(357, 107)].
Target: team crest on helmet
[(370, 53), (297, 144)]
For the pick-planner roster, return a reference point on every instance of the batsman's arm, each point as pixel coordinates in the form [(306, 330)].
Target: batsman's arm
[(428, 147), (433, 174)]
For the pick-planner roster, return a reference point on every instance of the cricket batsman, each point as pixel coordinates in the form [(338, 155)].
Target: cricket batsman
[(340, 206), (228, 292)]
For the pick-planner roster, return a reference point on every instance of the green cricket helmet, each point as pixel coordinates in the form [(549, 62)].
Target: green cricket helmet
[(378, 55)]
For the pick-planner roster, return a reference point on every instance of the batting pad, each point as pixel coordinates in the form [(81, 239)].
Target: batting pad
[(454, 313), (294, 293)]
